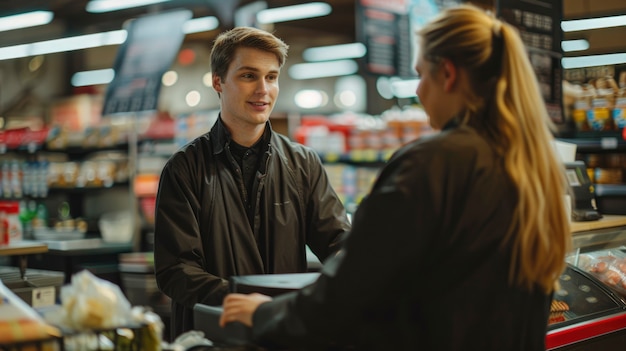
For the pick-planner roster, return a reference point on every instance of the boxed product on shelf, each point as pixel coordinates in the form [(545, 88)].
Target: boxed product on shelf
[(19, 323), (38, 288)]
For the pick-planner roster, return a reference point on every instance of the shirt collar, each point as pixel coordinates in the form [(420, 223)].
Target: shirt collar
[(220, 136)]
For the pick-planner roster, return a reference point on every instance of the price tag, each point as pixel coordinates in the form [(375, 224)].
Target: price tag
[(43, 297), (608, 143)]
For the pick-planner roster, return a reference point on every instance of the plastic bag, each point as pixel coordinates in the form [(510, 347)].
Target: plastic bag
[(93, 303)]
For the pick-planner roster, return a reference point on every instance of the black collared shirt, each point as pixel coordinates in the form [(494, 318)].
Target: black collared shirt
[(248, 161)]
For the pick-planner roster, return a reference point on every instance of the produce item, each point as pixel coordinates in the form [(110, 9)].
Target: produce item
[(91, 304)]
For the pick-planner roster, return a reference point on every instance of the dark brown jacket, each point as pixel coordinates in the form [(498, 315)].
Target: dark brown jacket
[(203, 236), (425, 266)]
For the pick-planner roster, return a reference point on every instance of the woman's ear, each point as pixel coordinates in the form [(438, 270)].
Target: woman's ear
[(450, 75)]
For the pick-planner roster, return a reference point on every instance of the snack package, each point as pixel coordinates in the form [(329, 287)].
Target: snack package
[(19, 322)]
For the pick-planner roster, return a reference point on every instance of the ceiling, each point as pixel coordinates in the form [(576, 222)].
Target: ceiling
[(338, 27), (70, 17)]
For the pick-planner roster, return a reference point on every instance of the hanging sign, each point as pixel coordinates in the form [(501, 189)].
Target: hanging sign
[(150, 48)]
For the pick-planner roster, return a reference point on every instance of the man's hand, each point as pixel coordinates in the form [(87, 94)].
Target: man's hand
[(241, 307)]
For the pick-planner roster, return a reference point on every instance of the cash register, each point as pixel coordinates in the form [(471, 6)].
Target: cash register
[(206, 318), (584, 202)]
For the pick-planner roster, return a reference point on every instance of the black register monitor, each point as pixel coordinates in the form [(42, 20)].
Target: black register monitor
[(584, 201)]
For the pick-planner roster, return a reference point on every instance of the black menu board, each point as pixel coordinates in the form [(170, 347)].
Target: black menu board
[(383, 26), (387, 28), (152, 44), (539, 24)]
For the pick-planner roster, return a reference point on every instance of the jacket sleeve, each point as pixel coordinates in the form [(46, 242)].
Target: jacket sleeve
[(327, 222), (179, 256)]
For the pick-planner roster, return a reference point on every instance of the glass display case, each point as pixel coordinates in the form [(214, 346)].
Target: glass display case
[(589, 309)]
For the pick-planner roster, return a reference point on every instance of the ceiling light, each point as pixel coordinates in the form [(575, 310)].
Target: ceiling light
[(295, 12), (335, 52), (310, 98), (593, 60), (202, 24), (64, 44), (593, 23), (87, 41), (24, 20), (169, 78), (404, 88), (323, 69), (99, 6), (575, 45), (193, 98), (95, 77)]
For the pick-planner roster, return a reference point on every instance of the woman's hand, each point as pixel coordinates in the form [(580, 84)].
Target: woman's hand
[(241, 307)]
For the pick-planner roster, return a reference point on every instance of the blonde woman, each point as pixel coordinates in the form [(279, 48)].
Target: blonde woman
[(463, 236)]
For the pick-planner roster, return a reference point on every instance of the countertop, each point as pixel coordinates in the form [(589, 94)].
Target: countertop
[(23, 248), (607, 221)]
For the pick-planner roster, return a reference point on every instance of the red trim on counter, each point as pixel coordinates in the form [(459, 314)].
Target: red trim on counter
[(583, 331)]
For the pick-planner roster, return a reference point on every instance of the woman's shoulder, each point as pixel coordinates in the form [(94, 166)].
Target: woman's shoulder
[(458, 141)]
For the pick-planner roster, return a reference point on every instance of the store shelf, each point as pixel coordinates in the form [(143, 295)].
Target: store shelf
[(358, 156), (603, 143)]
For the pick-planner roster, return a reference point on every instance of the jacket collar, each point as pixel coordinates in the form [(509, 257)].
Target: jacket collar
[(220, 136)]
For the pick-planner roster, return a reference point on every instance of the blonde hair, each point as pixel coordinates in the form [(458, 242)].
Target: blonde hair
[(504, 103)]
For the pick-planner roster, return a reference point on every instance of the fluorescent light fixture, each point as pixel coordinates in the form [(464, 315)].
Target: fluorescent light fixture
[(202, 24), (593, 60), (310, 98), (99, 6), (334, 52), (575, 45), (295, 12), (87, 41), (24, 20), (323, 69), (64, 44), (593, 23), (95, 77), (404, 88)]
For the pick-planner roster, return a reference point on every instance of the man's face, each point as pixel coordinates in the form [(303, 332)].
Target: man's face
[(249, 89)]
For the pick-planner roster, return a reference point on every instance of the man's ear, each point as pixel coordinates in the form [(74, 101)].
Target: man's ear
[(450, 73), (217, 83)]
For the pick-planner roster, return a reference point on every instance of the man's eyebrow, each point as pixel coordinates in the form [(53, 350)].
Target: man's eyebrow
[(251, 68)]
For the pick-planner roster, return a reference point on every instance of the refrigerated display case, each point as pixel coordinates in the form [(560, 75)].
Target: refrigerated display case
[(590, 306), (587, 315)]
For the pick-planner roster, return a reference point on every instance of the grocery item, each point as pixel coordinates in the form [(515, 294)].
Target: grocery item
[(608, 266), (557, 311)]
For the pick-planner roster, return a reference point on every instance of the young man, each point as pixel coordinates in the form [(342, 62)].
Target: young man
[(241, 199)]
